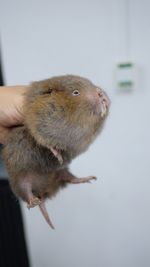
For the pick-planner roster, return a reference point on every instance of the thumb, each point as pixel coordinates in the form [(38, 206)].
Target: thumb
[(4, 134)]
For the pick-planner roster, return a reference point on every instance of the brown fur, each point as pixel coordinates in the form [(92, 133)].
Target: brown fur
[(53, 118)]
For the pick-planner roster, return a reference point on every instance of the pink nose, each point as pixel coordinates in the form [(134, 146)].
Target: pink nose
[(99, 92), (103, 97)]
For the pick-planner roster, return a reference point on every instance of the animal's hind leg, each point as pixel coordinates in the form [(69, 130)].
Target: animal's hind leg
[(68, 177), (76, 180), (27, 194), (24, 189)]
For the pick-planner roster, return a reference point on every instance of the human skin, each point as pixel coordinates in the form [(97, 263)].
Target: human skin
[(11, 103)]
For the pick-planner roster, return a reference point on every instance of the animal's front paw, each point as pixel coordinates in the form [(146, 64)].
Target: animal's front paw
[(57, 154)]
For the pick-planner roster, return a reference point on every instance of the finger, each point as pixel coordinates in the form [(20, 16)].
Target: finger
[(11, 105), (4, 134)]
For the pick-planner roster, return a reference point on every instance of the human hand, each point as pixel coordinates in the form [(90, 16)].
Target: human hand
[(11, 104)]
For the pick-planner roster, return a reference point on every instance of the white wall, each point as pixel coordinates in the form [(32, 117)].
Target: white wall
[(105, 223)]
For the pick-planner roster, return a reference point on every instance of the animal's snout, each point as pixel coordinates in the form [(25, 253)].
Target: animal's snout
[(102, 96), (99, 92)]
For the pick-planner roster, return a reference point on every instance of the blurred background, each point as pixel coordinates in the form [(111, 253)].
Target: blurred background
[(106, 223)]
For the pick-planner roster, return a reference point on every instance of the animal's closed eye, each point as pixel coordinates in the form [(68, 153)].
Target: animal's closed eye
[(48, 91), (75, 92)]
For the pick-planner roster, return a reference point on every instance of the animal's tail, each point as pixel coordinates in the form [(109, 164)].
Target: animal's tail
[(45, 214)]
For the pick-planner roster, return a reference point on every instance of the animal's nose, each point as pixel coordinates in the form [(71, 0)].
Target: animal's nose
[(102, 96), (99, 92)]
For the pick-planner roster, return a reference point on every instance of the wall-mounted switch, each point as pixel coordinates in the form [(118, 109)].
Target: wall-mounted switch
[(126, 76)]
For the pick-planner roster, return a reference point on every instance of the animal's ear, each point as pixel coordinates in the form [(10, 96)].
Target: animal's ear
[(42, 87), (47, 90)]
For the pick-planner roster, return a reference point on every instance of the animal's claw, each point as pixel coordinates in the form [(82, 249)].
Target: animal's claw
[(57, 154)]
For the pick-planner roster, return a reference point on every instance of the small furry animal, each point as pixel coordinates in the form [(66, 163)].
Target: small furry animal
[(62, 117)]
